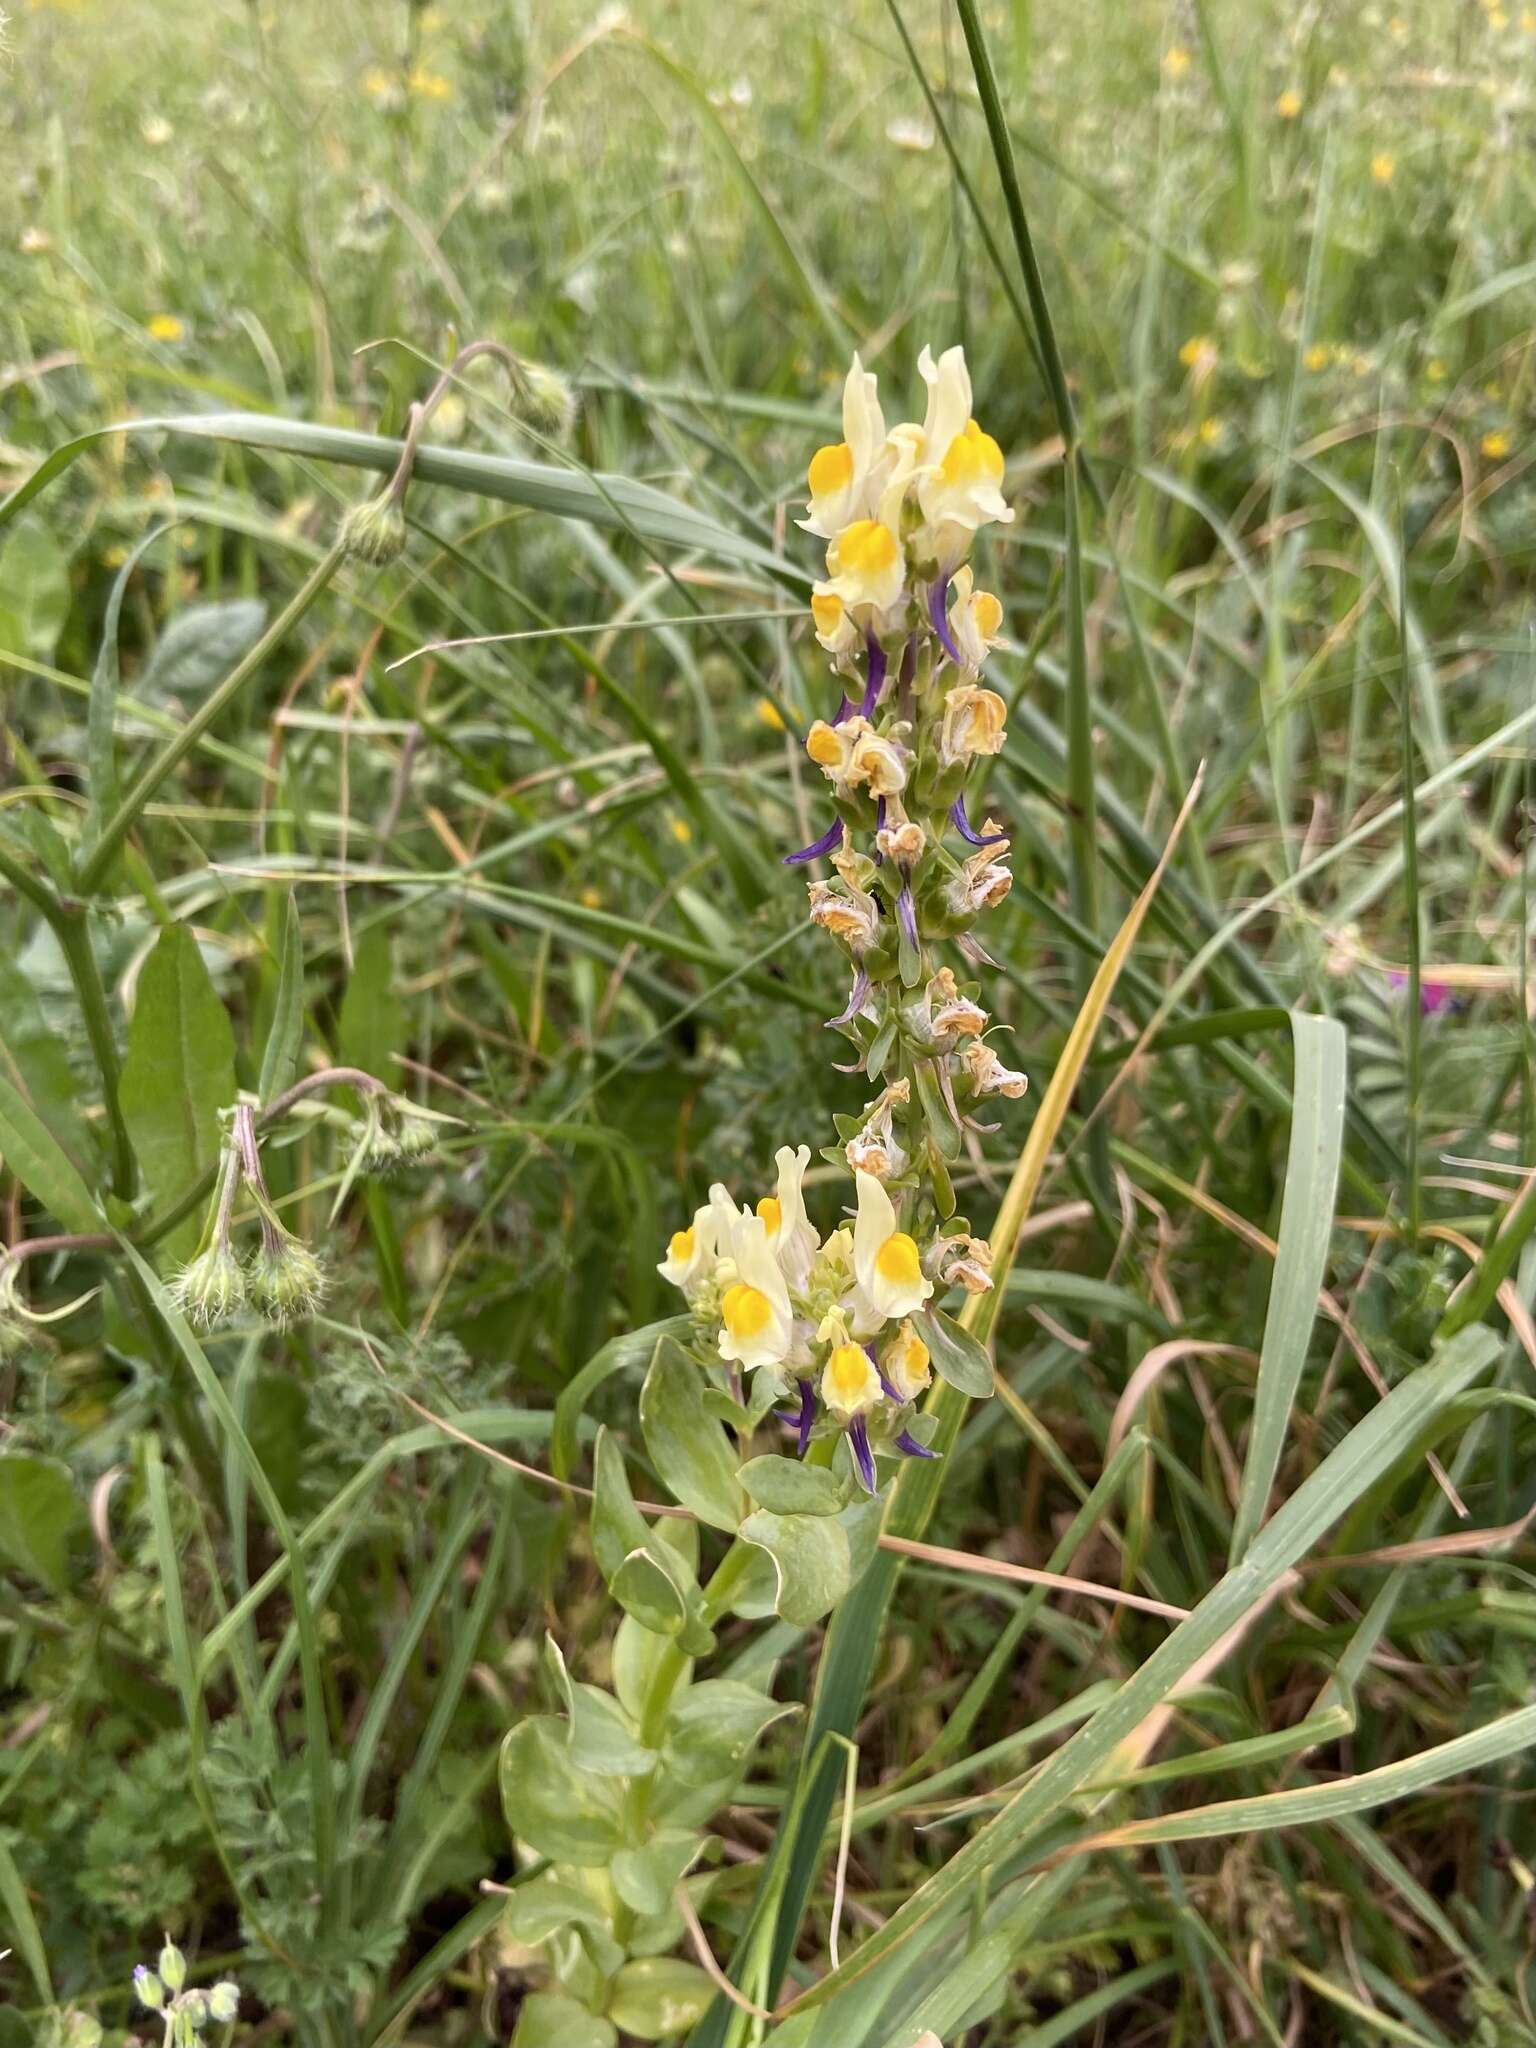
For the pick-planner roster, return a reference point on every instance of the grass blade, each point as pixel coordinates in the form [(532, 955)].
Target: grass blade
[(1306, 1224), (1365, 1455)]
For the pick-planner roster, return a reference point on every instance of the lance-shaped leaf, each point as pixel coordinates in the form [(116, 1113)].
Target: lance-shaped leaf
[(179, 1073), (958, 1356)]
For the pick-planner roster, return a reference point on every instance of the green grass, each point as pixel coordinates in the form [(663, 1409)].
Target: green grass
[(262, 1628)]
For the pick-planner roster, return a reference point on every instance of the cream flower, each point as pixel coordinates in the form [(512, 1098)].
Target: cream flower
[(844, 479), (958, 484), (790, 1231), (874, 1148), (952, 1016), (756, 1323), (876, 764), (982, 882), (834, 629), (850, 1385), (904, 1362), (692, 1254), (866, 572), (964, 1261), (885, 1259), (975, 620), (902, 839), (988, 1074), (973, 723), (831, 746), (854, 920)]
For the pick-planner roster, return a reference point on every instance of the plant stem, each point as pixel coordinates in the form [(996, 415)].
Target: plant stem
[(71, 925), (94, 869)]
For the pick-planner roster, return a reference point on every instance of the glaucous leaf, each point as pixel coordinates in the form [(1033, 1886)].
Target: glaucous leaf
[(566, 1814), (645, 1878), (648, 1577), (544, 1906), (600, 1735), (690, 1449), (658, 1996), (957, 1356), (712, 1729), (810, 1558), (548, 2020), (787, 1487)]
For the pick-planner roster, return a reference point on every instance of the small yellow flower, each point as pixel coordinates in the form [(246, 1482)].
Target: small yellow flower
[(1196, 350), (1497, 18), (592, 898), (681, 830), (1397, 28), (35, 241), (1211, 431), (1317, 357), (429, 85), (768, 714), (114, 556), (1175, 62), (156, 131), (1435, 370), (377, 84), (1528, 20), (1383, 167), (164, 327), (1289, 104), (1495, 446)]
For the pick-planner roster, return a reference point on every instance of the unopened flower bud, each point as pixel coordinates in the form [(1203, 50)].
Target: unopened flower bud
[(548, 402), (224, 2000), (172, 1966), (211, 1289), (374, 532), (287, 1280), (147, 1988), (193, 2007)]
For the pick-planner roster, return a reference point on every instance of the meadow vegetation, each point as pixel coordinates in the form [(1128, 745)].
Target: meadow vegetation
[(404, 902)]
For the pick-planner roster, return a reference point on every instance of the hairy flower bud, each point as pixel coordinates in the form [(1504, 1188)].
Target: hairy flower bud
[(210, 1290), (287, 1280), (374, 532), (224, 2000), (172, 1966), (147, 1987)]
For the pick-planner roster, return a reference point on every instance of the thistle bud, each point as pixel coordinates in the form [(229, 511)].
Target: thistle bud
[(548, 402), (147, 1988), (287, 1280), (374, 532), (224, 2000), (210, 1290), (172, 1966)]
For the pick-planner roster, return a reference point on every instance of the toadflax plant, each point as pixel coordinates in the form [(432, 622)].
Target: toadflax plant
[(784, 1401)]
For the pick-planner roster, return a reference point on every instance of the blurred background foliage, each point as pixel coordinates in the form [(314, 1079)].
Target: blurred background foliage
[(1287, 252)]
